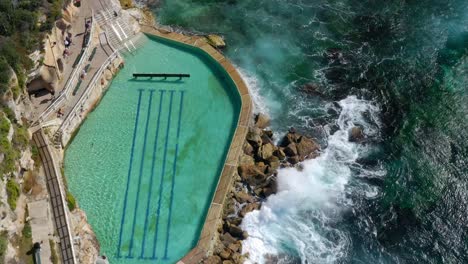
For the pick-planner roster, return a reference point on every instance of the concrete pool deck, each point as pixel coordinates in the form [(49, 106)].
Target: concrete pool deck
[(209, 230)]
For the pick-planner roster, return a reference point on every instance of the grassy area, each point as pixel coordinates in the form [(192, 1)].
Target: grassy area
[(13, 191), (54, 258), (6, 148)]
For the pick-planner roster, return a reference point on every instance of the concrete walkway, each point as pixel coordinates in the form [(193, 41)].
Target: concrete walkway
[(56, 198), (41, 221)]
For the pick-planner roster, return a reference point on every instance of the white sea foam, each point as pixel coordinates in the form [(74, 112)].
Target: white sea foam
[(298, 220), (260, 103)]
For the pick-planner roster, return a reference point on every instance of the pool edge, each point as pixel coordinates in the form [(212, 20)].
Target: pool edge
[(209, 230)]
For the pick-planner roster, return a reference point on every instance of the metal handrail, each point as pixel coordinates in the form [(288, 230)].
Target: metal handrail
[(89, 89), (71, 80)]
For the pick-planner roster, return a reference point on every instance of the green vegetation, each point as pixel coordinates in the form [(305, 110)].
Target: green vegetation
[(71, 201), (3, 245), (53, 252), (21, 32), (10, 153), (13, 191)]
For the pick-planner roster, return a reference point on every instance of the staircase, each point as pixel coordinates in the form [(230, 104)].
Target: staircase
[(118, 32)]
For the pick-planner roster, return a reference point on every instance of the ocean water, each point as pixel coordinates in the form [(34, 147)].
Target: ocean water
[(398, 69), (140, 166)]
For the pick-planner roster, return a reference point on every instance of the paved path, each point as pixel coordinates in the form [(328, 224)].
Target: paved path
[(56, 199), (41, 225)]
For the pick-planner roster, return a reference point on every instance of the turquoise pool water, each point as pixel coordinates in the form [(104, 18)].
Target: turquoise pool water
[(145, 163)]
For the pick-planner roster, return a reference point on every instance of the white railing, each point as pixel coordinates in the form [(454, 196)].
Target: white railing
[(77, 108), (57, 103)]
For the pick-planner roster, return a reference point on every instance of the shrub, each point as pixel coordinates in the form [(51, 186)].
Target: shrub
[(71, 201), (21, 137), (53, 252), (13, 192)]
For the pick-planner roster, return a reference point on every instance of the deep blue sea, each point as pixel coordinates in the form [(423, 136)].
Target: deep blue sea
[(399, 70)]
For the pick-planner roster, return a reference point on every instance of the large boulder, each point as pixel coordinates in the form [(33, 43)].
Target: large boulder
[(249, 208), (305, 147), (356, 134), (227, 239), (247, 171), (243, 197), (254, 137), (212, 260), (266, 151), (236, 231), (246, 160), (262, 121), (290, 150), (248, 149), (280, 154), (216, 41), (273, 162)]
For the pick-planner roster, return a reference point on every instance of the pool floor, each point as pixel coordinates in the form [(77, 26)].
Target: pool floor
[(145, 163)]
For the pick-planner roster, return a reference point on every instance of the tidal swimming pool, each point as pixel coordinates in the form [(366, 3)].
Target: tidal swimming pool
[(145, 163)]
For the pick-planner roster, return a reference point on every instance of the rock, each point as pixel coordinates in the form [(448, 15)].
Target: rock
[(356, 134), (254, 138), (266, 139), (246, 160), (230, 207), (268, 133), (262, 121), (290, 150), (216, 41), (266, 151), (212, 260), (248, 171), (235, 247), (305, 147), (234, 221), (280, 154), (243, 197), (228, 262), (227, 239), (269, 191), (311, 88), (248, 149), (273, 162), (293, 160), (249, 208), (235, 231), (225, 253)]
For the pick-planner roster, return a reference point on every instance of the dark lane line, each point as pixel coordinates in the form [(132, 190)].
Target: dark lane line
[(174, 174), (163, 170), (122, 221), (153, 162), (140, 173)]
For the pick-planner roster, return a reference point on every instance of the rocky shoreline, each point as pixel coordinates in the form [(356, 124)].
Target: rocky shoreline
[(255, 181)]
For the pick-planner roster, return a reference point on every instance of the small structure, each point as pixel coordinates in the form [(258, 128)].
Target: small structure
[(164, 75)]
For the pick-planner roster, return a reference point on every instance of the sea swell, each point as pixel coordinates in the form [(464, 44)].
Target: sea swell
[(300, 220), (399, 70)]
